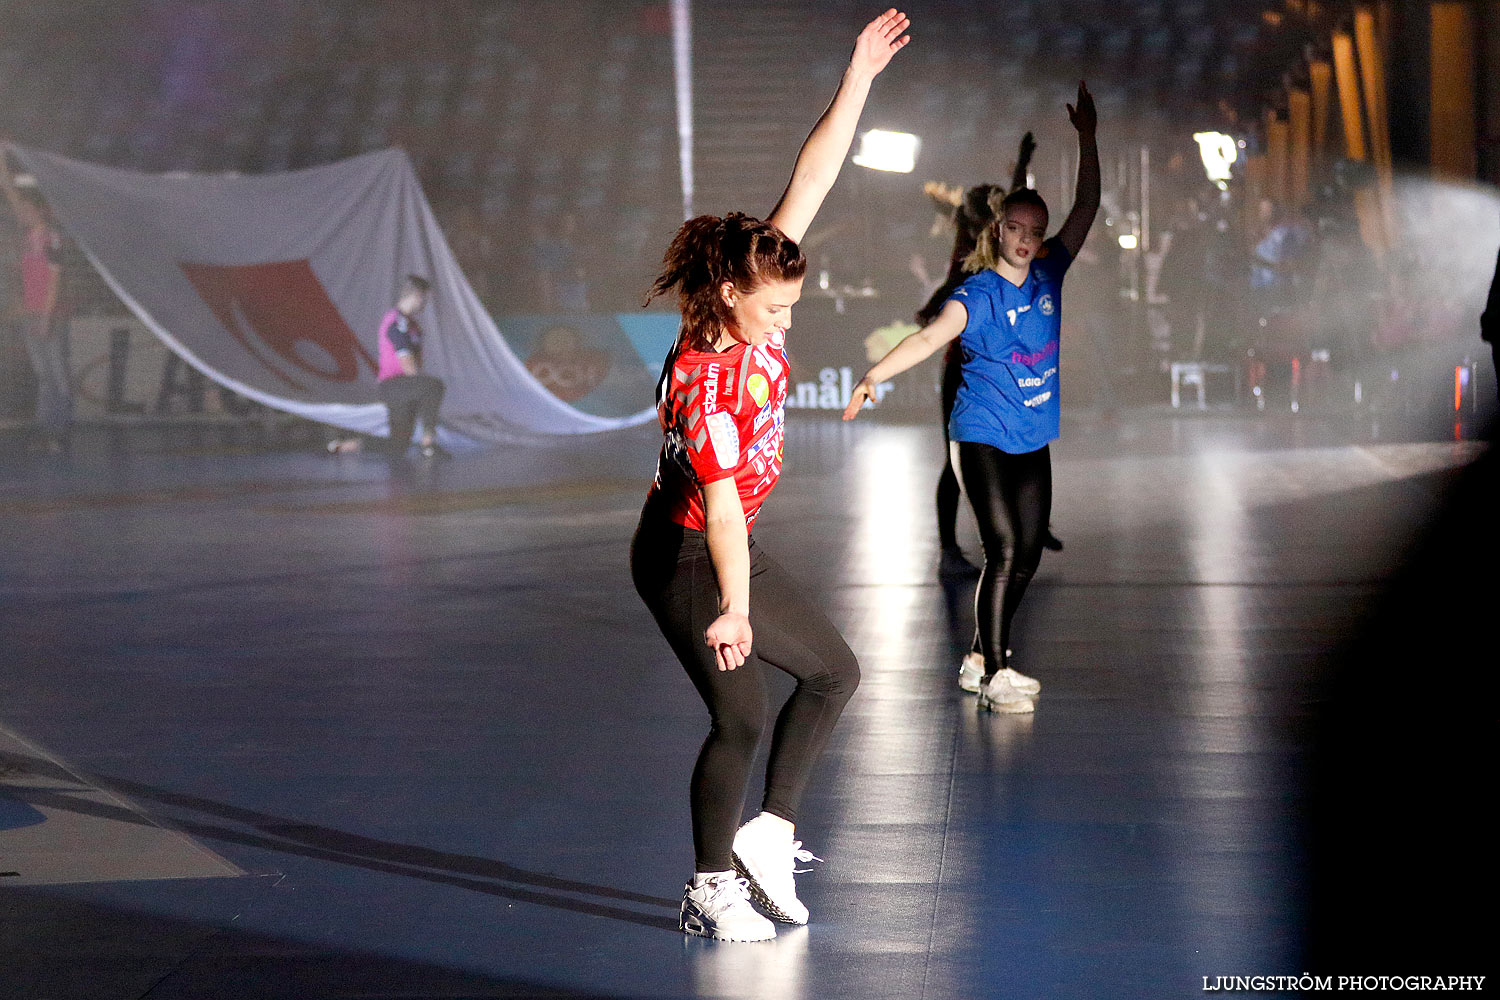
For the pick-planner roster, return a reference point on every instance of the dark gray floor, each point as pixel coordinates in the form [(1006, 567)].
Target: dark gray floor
[(428, 719)]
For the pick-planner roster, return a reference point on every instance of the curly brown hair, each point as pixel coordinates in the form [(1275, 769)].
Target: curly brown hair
[(708, 251)]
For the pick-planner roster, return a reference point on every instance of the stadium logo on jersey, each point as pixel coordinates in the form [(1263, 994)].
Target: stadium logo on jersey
[(759, 389), (1045, 305), (725, 438), (711, 390)]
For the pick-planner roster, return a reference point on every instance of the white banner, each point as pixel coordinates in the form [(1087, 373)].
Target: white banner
[(274, 286)]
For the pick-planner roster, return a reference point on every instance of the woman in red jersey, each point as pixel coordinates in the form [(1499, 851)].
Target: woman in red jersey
[(727, 609)]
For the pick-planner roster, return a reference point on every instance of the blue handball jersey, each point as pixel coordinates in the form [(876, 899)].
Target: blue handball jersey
[(1008, 397)]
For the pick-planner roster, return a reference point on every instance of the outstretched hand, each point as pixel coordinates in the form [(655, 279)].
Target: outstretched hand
[(862, 391), (881, 39), (729, 636), (1083, 116)]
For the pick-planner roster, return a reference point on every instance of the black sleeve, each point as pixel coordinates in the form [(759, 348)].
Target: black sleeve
[(1058, 258), (1489, 323), (399, 336), (956, 276)]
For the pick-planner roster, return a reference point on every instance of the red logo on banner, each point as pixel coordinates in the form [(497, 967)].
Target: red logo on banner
[(560, 362), (282, 311)]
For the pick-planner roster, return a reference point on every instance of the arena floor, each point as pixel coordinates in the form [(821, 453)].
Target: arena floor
[(277, 724)]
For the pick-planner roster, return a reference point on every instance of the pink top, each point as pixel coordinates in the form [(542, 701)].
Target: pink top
[(38, 268), (397, 333)]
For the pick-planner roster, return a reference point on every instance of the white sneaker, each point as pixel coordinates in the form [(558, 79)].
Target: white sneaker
[(971, 676), (971, 672), (720, 908), (1029, 686), (767, 857), (999, 695)]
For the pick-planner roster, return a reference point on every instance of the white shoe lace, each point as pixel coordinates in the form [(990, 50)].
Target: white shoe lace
[(717, 887), (723, 896), (798, 854)]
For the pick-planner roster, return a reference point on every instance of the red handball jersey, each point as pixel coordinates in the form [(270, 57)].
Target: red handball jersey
[(723, 415)]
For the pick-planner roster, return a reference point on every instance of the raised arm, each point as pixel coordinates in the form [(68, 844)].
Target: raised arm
[(823, 153), (1086, 203), (729, 552), (1023, 162), (915, 349)]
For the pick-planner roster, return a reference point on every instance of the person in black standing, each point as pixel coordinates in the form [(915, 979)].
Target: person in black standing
[(1489, 322)]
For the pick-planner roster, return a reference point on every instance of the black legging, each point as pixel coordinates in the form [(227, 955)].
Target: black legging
[(674, 576), (947, 487), (1495, 353), (1012, 499), (409, 398)]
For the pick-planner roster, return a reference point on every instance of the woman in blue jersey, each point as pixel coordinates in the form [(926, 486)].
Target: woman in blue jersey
[(1007, 317), (971, 214)]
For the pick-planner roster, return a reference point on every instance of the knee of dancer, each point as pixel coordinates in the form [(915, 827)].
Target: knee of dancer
[(742, 729), (842, 677), (998, 552), (997, 540)]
